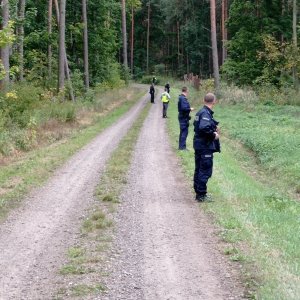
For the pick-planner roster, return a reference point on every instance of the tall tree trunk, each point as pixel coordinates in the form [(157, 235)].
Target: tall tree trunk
[(4, 51), (224, 29), (85, 46), (62, 45), (124, 34), (64, 55), (50, 9), (148, 34), (21, 17), (295, 43), (132, 39), (178, 45), (214, 44)]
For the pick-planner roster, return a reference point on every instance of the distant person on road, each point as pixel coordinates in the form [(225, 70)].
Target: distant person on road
[(165, 99), (152, 92), (167, 87), (153, 80), (206, 142), (184, 110)]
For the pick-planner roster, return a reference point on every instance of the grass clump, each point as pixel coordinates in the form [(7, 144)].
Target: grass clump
[(84, 289), (74, 269)]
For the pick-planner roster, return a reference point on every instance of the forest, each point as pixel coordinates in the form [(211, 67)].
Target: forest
[(77, 128), (55, 53)]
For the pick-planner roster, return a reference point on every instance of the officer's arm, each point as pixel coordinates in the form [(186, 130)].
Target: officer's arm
[(206, 127)]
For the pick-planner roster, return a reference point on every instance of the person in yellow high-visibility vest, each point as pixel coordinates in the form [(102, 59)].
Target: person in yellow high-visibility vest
[(165, 99)]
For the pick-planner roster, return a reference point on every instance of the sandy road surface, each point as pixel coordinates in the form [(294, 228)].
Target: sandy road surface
[(34, 239), (165, 247)]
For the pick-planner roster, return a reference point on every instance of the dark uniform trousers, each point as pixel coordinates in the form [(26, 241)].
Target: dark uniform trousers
[(203, 170), (184, 131)]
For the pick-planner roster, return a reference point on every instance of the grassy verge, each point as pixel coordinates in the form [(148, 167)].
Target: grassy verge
[(259, 220), (86, 265), (17, 178)]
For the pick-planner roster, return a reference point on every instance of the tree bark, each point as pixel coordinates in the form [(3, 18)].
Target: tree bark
[(65, 60), (62, 49), (21, 17), (132, 39), (50, 9), (124, 34), (295, 43), (148, 34), (224, 29), (4, 52), (85, 46), (178, 46), (214, 44)]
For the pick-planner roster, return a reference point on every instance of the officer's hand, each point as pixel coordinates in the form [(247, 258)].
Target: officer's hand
[(218, 130), (192, 108), (216, 135)]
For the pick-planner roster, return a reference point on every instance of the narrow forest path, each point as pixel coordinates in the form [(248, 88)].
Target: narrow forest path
[(165, 246), (34, 238)]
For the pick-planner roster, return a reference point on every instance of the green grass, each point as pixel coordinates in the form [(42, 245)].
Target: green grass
[(18, 178), (259, 219), (271, 132), (84, 289)]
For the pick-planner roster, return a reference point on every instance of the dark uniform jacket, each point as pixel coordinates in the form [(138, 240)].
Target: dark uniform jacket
[(184, 109), (167, 88), (204, 128), (152, 90)]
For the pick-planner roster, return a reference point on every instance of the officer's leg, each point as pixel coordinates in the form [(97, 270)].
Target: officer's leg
[(204, 173), (166, 104), (183, 135), (197, 166)]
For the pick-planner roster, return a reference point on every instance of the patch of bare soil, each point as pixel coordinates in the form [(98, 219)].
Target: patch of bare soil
[(165, 247), (35, 237)]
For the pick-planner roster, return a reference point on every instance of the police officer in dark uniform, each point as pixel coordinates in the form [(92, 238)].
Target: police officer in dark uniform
[(184, 110), (206, 142), (167, 87), (152, 92)]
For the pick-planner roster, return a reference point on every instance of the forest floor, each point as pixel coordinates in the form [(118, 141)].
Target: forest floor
[(163, 246)]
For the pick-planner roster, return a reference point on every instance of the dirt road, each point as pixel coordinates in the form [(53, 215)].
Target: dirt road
[(34, 239), (166, 247)]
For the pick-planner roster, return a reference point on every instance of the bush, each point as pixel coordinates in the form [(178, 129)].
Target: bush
[(160, 69), (148, 80), (18, 103), (64, 112), (5, 143)]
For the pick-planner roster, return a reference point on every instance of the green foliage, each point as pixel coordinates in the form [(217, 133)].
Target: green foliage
[(7, 35), (160, 69), (255, 55), (148, 80), (19, 103)]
